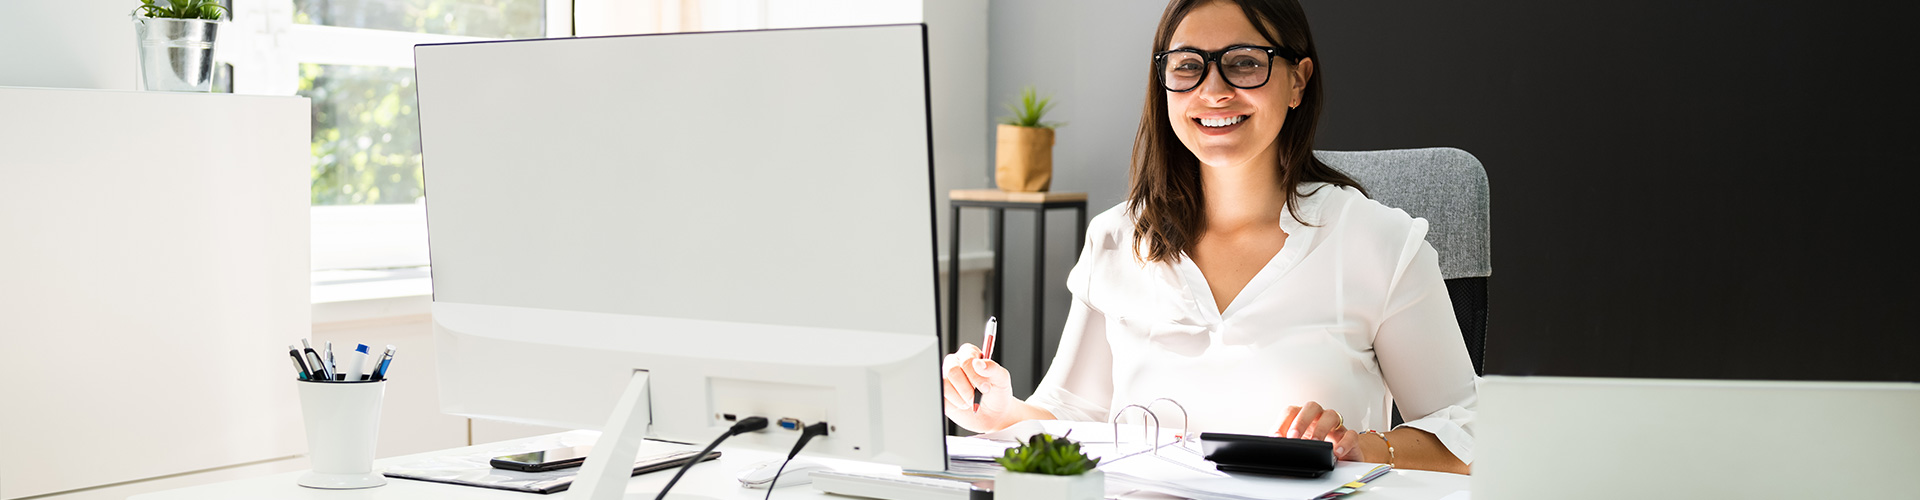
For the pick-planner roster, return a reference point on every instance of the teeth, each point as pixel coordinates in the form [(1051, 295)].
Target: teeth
[(1222, 122)]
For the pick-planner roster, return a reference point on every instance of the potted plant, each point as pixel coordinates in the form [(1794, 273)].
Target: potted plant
[(1023, 158), (175, 39), (1051, 468)]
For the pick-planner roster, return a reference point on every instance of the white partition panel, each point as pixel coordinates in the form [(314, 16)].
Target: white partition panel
[(153, 269)]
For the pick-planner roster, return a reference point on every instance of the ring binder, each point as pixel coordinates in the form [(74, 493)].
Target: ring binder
[(1150, 432)]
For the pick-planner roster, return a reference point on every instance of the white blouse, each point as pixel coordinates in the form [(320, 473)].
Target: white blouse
[(1352, 313)]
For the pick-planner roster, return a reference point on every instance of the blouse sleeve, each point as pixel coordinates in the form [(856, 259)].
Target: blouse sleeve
[(1079, 383), (1423, 357)]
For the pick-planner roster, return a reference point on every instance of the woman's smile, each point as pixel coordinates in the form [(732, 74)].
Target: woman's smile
[(1218, 124)]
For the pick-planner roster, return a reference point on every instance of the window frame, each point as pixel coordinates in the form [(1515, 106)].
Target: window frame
[(266, 48)]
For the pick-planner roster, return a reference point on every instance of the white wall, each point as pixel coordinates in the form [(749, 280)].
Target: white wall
[(1092, 58), (85, 44)]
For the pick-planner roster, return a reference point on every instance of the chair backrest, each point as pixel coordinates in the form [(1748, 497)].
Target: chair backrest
[(1447, 187)]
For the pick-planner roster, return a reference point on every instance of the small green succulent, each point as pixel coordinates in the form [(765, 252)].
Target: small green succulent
[(1045, 454), (183, 9), (1030, 109)]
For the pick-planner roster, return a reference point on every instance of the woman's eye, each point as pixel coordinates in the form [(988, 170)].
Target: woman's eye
[(1248, 63)]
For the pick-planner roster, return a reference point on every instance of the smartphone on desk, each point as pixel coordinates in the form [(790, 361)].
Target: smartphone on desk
[(545, 460)]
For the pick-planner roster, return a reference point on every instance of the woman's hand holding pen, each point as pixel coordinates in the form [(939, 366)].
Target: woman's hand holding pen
[(967, 370), (1313, 422)]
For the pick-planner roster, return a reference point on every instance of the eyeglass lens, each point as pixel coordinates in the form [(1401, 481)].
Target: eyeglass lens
[(1245, 67)]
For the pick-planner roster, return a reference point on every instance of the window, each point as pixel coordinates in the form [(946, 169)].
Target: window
[(353, 59)]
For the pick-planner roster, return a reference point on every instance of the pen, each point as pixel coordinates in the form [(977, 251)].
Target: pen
[(356, 369), (986, 352), (333, 371), (316, 364), (380, 370), (299, 366)]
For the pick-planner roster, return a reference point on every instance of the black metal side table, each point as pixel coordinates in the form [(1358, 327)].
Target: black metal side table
[(997, 202)]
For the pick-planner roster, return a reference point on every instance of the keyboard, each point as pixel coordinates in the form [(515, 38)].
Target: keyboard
[(893, 486)]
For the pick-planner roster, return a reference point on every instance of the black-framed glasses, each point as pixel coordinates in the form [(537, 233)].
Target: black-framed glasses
[(1244, 66)]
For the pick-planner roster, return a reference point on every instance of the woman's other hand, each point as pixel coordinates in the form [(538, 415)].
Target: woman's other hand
[(1313, 422), (967, 370)]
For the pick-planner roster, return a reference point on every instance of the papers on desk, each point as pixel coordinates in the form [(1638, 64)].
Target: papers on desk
[(1083, 432), (476, 469), (1178, 468), (972, 457), (1172, 474)]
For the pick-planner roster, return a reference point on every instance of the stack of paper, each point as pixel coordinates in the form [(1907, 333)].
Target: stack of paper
[(1187, 475)]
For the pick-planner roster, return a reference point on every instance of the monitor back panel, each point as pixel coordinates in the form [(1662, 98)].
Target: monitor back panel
[(777, 177)]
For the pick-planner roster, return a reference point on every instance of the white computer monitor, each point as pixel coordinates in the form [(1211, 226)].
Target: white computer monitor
[(746, 218)]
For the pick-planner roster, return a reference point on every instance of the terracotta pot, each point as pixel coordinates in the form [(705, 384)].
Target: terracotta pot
[(1023, 159)]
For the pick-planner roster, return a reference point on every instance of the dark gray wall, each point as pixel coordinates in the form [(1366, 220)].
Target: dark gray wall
[(1680, 189)]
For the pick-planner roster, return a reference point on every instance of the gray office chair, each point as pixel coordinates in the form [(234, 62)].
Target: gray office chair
[(1448, 187)]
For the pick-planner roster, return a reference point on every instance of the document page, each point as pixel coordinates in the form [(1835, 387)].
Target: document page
[(1185, 474)]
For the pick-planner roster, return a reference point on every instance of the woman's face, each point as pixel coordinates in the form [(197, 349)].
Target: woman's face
[(1250, 118)]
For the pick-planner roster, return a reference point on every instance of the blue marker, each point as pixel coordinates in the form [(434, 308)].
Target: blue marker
[(380, 372)]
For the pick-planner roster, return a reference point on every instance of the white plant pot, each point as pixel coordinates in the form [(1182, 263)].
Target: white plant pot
[(1022, 486)]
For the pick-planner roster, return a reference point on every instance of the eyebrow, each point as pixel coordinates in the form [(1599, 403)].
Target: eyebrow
[(1234, 44)]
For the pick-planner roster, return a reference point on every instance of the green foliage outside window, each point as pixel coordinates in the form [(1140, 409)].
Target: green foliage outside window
[(483, 18), (366, 134), (366, 126)]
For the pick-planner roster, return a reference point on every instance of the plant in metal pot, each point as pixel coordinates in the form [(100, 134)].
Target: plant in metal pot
[(1048, 467), (1023, 155), (176, 39), (183, 9)]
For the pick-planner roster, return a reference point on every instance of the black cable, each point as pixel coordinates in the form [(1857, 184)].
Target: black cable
[(745, 425), (573, 18), (817, 429)]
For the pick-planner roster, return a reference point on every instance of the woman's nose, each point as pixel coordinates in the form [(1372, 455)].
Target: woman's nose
[(1213, 86)]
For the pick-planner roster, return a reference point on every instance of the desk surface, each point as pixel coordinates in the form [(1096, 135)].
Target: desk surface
[(713, 480)]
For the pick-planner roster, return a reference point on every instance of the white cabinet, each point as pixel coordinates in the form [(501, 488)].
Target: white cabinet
[(153, 270)]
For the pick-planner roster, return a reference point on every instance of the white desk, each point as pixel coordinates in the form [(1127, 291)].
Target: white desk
[(710, 480)]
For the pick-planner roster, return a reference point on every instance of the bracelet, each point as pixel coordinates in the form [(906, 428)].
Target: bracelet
[(1383, 439)]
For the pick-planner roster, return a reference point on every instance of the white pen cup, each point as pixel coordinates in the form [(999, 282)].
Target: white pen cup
[(343, 422)]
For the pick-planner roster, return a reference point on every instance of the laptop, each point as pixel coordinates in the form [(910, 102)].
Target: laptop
[(1604, 438)]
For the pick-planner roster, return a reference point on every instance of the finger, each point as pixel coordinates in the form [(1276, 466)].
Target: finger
[(1344, 441), (962, 388), (992, 375), (1304, 421), (966, 352), (1281, 430), (951, 394), (1324, 427), (974, 377)]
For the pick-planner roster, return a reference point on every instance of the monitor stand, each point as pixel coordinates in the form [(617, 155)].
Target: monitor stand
[(600, 478)]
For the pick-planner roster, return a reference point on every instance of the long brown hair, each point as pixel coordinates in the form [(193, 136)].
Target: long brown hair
[(1165, 198)]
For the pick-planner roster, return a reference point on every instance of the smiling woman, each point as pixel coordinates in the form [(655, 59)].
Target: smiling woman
[(1167, 153), (1244, 278)]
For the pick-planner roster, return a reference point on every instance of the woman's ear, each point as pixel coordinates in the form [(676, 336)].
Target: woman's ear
[(1301, 71)]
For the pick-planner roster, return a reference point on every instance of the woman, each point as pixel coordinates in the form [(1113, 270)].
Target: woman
[(1244, 278)]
